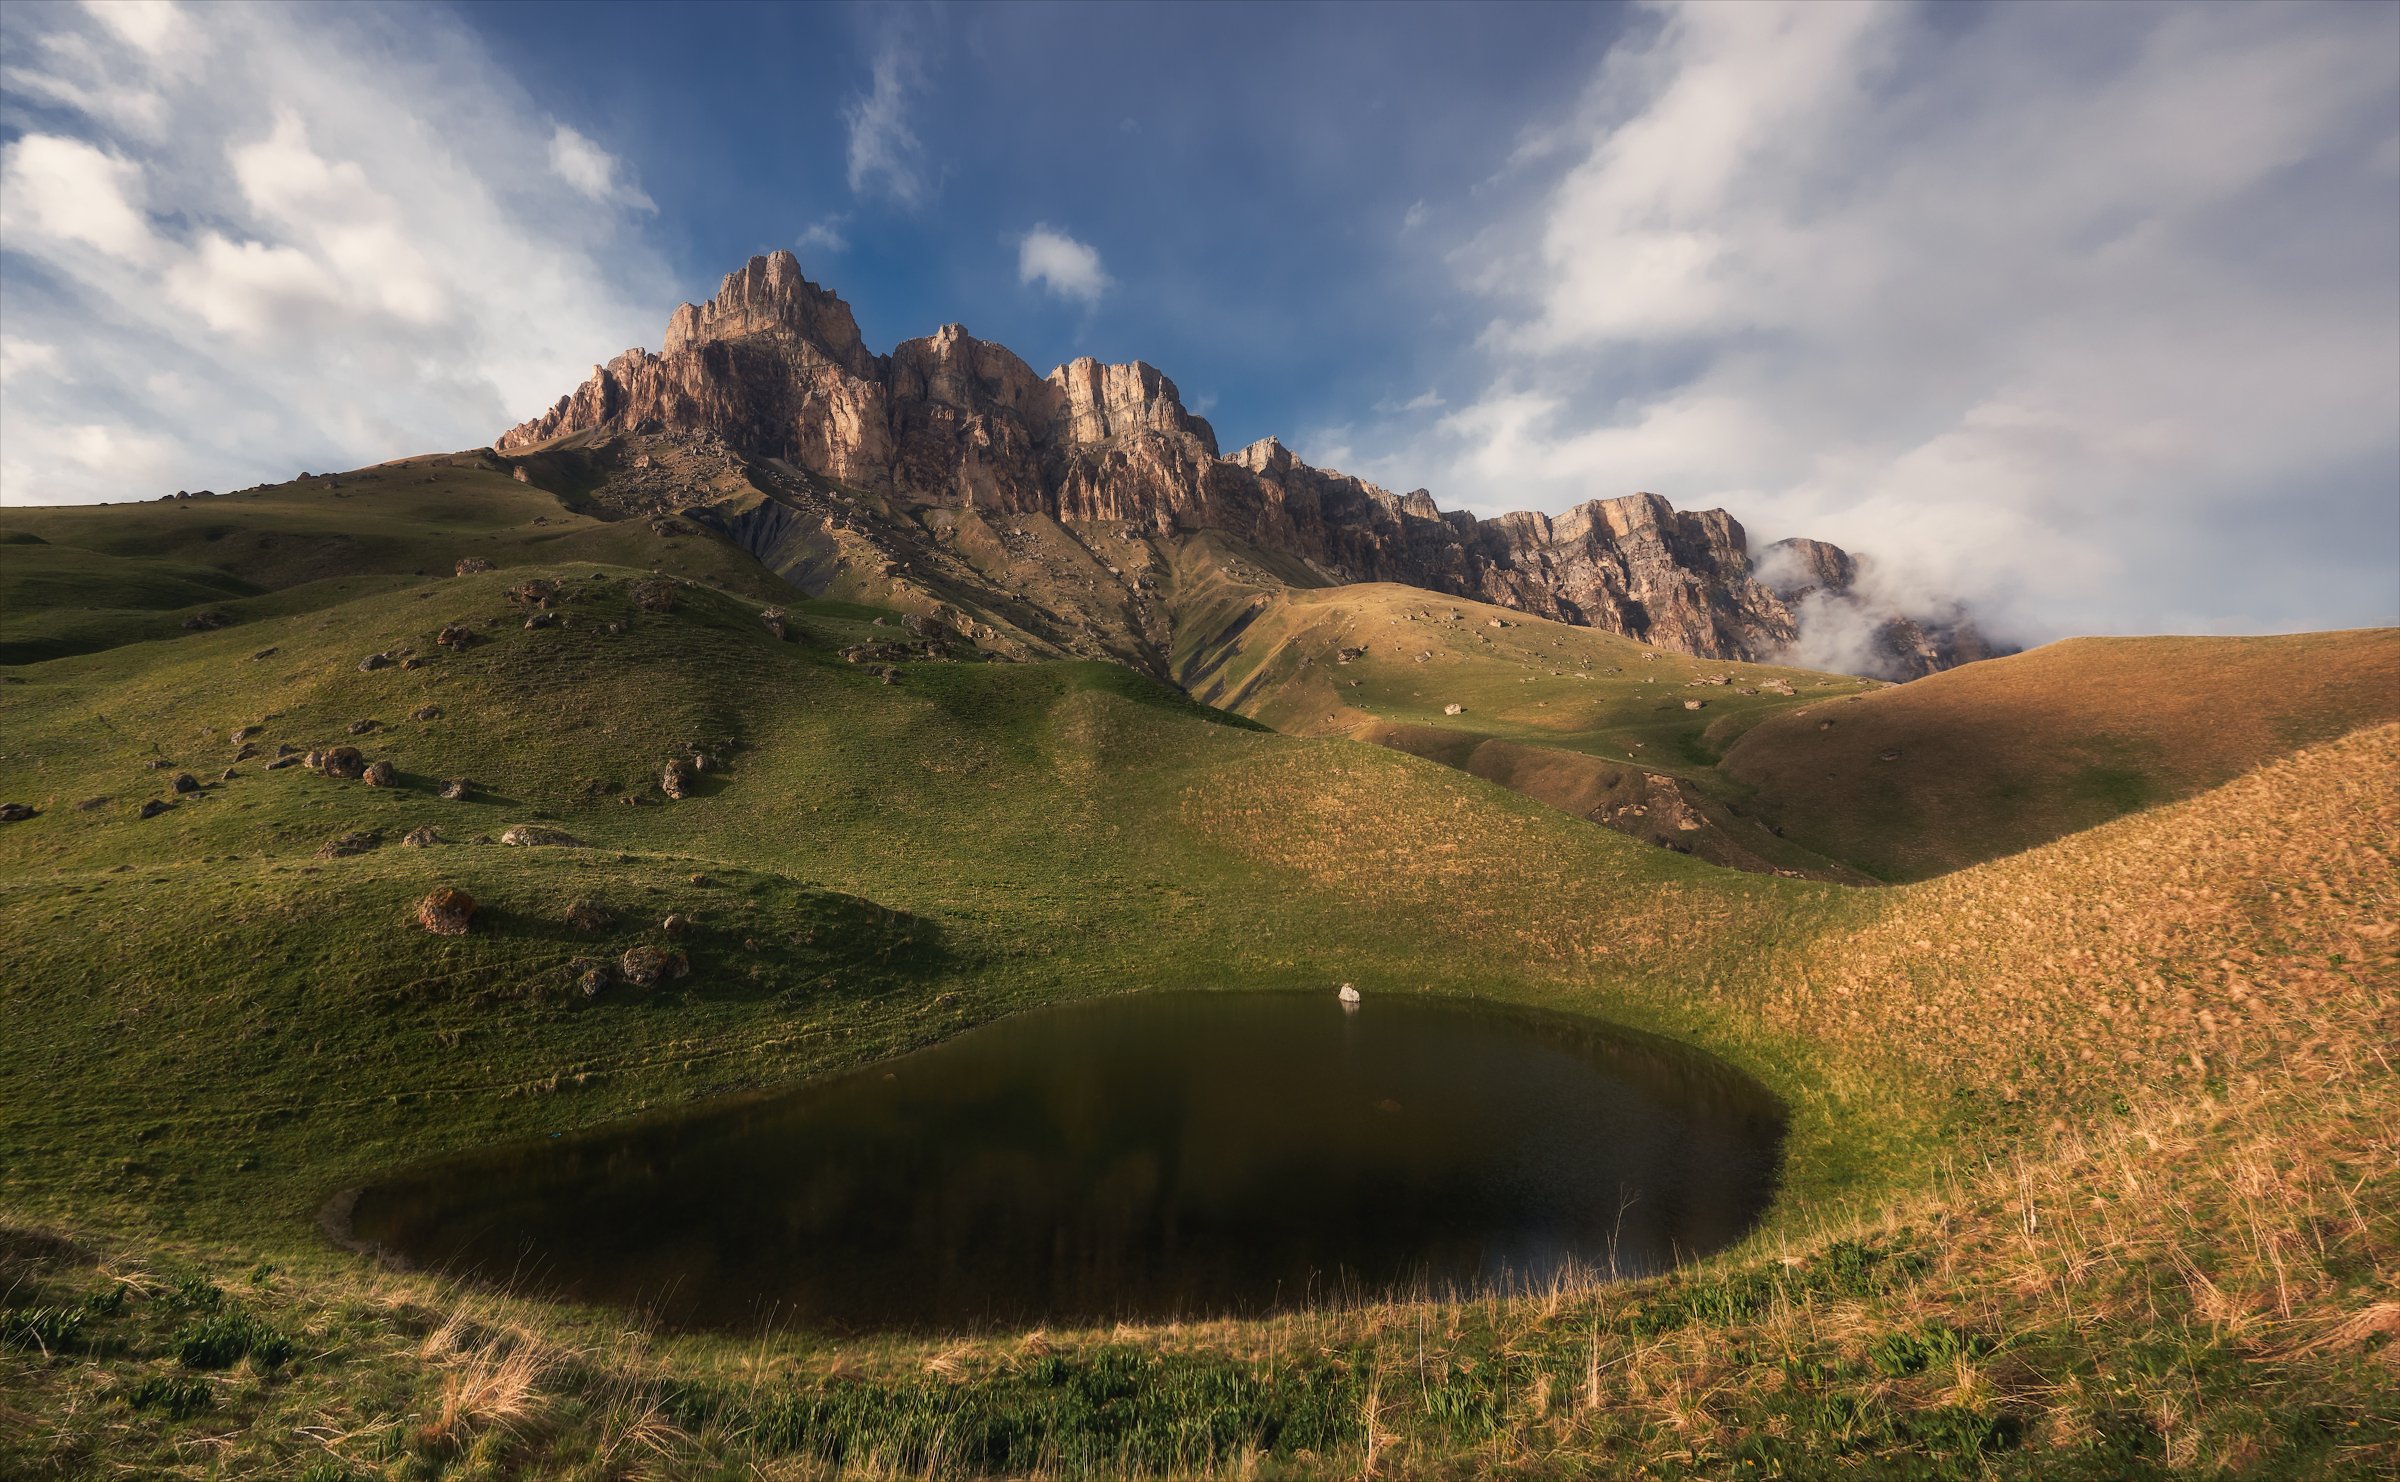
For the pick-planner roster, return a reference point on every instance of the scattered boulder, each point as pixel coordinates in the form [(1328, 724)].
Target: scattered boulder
[(426, 712), (470, 565), (207, 620), (678, 779), (244, 733), (343, 762), (654, 594), (589, 915), (17, 812), (157, 764), (361, 727), (455, 636), (536, 592), (342, 846), (456, 789), (421, 837), (282, 762), (677, 924), (411, 662), (185, 782), (249, 750), (1695, 704), (446, 912), (591, 975), (373, 662), (264, 653), (1350, 655), (539, 620), (227, 775), (152, 809), (381, 773), (777, 622), (1454, 710), (647, 966), (539, 836)]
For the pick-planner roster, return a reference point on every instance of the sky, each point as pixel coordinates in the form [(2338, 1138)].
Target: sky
[(2088, 315)]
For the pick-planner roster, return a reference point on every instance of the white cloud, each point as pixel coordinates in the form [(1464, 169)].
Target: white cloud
[(68, 192), (594, 171), (2097, 347), (1061, 264), (153, 26), (885, 156), (19, 357), (828, 236), (342, 240)]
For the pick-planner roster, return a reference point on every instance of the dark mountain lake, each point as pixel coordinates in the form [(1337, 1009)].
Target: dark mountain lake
[(1152, 1156)]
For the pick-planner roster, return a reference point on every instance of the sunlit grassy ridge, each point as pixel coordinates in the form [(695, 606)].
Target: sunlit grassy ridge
[(2006, 754), (1784, 768), (2090, 1167)]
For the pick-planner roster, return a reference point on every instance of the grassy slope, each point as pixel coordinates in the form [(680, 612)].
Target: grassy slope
[(103, 575), (1568, 716), (2003, 755), (211, 1029)]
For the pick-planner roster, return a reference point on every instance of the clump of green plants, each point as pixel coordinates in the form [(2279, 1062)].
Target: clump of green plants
[(179, 1398), (224, 1338)]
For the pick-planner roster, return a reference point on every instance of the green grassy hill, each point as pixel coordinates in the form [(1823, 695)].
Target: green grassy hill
[(78, 578), (2028, 1099)]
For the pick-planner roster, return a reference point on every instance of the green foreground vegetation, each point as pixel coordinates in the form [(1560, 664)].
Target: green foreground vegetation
[(2091, 1169)]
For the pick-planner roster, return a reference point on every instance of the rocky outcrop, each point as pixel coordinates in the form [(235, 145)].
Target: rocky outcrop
[(773, 368)]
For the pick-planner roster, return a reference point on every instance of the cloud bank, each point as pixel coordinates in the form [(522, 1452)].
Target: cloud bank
[(2088, 314), (238, 241)]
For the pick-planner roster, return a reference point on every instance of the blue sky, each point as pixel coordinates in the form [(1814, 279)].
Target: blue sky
[(1244, 172), (2090, 314)]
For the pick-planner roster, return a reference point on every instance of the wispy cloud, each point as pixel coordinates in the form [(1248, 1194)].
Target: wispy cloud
[(2099, 347), (597, 174), (829, 235), (1061, 264), (885, 155), (243, 240)]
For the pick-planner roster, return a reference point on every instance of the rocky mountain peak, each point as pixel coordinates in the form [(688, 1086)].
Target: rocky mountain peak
[(772, 368), (1100, 402), (954, 369), (771, 294), (1791, 569), (1267, 455)]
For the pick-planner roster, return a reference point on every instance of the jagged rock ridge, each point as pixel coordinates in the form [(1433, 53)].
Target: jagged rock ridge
[(774, 368)]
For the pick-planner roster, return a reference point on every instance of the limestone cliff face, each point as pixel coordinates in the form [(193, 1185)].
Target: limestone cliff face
[(774, 367)]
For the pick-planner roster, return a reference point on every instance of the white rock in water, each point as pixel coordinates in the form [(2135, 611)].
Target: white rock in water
[(1348, 994)]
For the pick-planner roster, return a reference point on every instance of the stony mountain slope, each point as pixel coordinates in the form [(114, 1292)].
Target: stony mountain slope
[(923, 465)]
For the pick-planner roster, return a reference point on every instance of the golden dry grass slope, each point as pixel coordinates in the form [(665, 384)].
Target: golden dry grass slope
[(2002, 755)]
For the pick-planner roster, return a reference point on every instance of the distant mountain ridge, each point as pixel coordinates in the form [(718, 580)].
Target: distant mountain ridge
[(773, 371)]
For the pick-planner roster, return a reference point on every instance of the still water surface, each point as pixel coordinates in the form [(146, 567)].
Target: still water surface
[(1153, 1156)]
